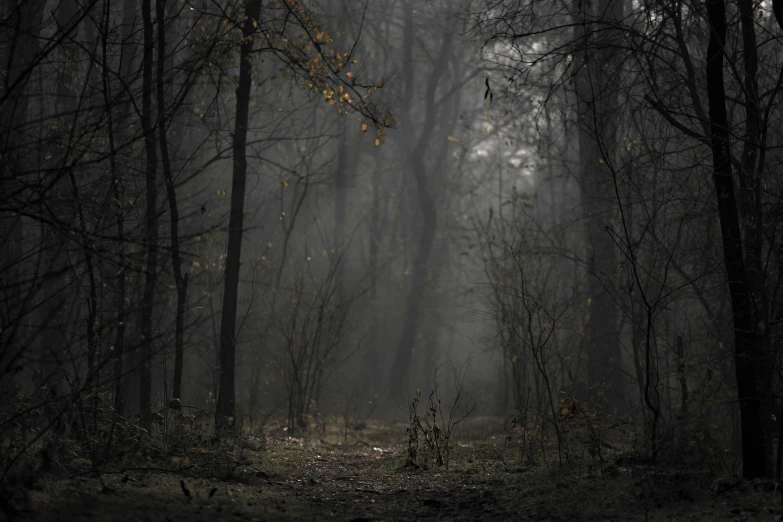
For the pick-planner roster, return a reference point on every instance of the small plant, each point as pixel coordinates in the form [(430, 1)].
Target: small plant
[(434, 428), (357, 411), (589, 428), (435, 440), (412, 430)]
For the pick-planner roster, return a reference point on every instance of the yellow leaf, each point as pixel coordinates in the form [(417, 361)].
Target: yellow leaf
[(349, 74), (377, 143), (565, 411), (453, 139), (255, 24), (364, 127)]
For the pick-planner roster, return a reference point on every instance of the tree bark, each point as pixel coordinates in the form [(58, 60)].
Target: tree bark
[(226, 410), (18, 53), (597, 100), (119, 340), (751, 215), (180, 280), (151, 235), (748, 340), (128, 55), (55, 240)]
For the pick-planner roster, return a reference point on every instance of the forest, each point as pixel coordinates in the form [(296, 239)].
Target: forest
[(391, 260)]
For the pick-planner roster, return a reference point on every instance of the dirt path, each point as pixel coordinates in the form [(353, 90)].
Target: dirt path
[(293, 480)]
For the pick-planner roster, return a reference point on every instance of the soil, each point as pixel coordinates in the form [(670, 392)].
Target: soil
[(294, 479)]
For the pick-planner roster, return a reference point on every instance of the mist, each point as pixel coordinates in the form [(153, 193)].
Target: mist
[(510, 236)]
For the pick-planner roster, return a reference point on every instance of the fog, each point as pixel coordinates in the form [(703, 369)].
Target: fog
[(295, 216)]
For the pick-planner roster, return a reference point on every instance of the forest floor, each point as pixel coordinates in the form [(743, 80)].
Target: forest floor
[(365, 479)]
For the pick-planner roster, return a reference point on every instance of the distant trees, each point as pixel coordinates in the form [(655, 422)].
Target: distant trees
[(424, 146), (614, 190), (305, 55), (664, 103), (103, 105)]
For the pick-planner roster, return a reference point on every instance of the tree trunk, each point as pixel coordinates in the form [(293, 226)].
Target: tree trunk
[(748, 341), (596, 101), (128, 55), (226, 410), (18, 51), (151, 236), (119, 341), (340, 198), (751, 217), (55, 240), (180, 281), (416, 150), (375, 226)]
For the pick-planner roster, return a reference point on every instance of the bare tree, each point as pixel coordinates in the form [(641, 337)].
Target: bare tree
[(151, 234), (748, 338)]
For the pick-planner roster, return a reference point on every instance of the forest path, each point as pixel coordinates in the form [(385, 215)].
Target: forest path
[(295, 480)]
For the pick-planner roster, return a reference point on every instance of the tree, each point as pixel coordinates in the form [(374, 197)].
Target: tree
[(303, 54), (151, 234), (597, 99), (416, 147), (128, 52), (226, 411), (18, 52), (640, 143), (180, 279), (748, 331)]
